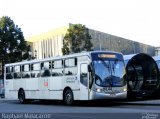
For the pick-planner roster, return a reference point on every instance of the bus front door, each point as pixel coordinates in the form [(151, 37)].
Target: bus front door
[(84, 79)]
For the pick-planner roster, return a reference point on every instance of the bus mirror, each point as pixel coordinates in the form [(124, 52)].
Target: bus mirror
[(89, 68)]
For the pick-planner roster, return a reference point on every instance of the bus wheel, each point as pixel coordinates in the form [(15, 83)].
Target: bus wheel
[(68, 97), (21, 96)]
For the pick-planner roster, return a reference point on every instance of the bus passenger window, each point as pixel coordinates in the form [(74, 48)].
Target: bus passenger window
[(26, 71), (69, 73), (35, 73), (17, 72), (46, 73), (57, 68), (70, 66), (45, 69), (57, 72), (9, 72), (9, 76)]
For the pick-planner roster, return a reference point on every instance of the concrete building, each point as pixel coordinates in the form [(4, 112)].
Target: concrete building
[(49, 44), (110, 42)]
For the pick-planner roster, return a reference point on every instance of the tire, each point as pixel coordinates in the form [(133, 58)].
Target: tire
[(21, 97), (68, 97)]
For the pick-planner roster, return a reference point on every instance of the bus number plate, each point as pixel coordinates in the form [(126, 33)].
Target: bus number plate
[(107, 89), (112, 94)]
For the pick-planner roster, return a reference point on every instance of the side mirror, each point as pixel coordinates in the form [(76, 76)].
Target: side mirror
[(89, 68)]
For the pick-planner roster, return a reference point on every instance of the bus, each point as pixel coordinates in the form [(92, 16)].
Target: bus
[(81, 76)]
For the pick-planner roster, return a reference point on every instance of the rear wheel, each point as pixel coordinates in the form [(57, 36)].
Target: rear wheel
[(68, 97), (21, 97)]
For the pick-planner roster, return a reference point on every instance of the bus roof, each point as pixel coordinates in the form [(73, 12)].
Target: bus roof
[(60, 57)]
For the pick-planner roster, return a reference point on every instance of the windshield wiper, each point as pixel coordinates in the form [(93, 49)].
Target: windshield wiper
[(108, 66)]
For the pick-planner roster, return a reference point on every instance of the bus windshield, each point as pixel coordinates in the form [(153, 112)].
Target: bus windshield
[(109, 73)]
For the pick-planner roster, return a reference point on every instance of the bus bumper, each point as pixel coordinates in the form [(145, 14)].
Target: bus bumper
[(97, 95)]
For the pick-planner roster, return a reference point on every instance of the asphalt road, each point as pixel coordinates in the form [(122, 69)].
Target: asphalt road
[(10, 109)]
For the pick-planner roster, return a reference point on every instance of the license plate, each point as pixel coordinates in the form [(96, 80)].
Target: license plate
[(112, 94)]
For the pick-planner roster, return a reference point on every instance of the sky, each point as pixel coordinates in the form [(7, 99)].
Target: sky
[(137, 20)]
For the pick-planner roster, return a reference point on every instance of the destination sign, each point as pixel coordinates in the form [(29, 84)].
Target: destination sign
[(107, 56)]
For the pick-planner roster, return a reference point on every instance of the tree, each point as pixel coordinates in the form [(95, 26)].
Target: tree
[(76, 40), (12, 43)]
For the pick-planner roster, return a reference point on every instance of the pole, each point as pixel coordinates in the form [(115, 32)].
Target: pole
[(99, 43)]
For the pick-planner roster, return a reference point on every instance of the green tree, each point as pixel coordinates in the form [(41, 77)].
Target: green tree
[(77, 39), (12, 43)]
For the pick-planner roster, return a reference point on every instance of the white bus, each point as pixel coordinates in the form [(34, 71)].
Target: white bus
[(81, 76)]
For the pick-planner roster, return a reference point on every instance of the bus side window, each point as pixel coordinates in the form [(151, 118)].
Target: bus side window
[(71, 66), (26, 71), (9, 76), (46, 69), (46, 72), (35, 70), (9, 72), (57, 68), (17, 72)]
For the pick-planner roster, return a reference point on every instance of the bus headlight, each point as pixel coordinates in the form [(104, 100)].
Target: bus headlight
[(124, 89), (99, 90)]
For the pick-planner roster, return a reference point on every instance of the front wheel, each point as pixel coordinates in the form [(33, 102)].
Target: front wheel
[(21, 97), (68, 97)]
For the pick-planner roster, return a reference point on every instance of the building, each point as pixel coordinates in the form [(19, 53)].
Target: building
[(49, 44), (119, 44)]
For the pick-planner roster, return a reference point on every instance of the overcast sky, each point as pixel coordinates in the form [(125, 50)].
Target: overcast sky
[(137, 20)]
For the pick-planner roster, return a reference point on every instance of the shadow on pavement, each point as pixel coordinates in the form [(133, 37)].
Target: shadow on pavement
[(96, 103)]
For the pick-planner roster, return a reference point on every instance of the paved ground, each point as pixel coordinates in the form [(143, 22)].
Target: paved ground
[(141, 102), (146, 109)]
